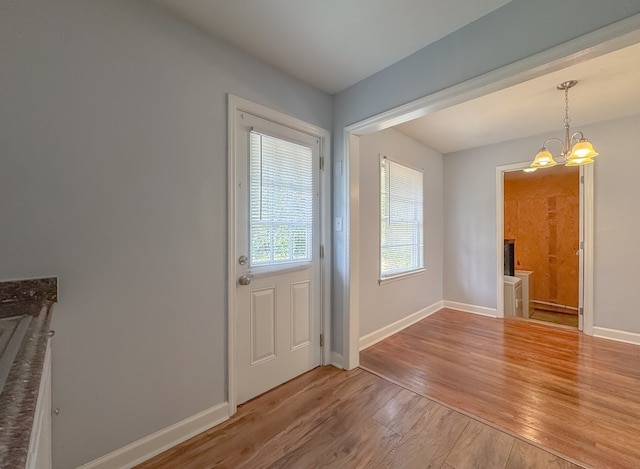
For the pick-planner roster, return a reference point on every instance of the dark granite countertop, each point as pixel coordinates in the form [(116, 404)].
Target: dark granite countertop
[(25, 311)]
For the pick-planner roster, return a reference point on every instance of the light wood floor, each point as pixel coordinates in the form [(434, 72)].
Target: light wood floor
[(570, 393), (560, 389), (354, 419)]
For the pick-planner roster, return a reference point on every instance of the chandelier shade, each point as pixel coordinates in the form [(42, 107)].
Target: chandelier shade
[(544, 159), (584, 149)]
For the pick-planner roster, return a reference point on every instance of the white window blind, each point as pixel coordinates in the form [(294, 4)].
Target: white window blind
[(280, 201), (401, 213)]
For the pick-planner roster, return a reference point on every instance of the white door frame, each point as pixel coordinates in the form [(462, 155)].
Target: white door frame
[(235, 104), (586, 235), (602, 41)]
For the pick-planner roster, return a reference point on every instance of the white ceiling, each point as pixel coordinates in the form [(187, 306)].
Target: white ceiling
[(331, 44), (608, 88)]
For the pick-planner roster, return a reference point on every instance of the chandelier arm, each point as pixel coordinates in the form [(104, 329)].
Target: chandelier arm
[(574, 136), (552, 139)]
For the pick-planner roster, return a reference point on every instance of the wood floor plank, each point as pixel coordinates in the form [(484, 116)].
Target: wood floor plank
[(560, 389), (343, 445), (526, 456), (348, 419), (430, 440), (402, 412), (480, 447)]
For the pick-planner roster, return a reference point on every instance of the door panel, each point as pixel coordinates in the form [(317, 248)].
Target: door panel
[(263, 325), (277, 296), (300, 314)]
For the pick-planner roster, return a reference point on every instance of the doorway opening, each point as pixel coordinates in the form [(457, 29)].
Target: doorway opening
[(592, 45), (542, 242), (544, 228)]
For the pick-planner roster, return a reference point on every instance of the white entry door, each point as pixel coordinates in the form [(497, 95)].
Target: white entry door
[(277, 258)]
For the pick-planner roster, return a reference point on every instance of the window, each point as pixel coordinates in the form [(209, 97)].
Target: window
[(280, 201), (401, 240)]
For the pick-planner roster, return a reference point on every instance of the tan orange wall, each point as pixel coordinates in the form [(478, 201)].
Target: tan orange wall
[(541, 212)]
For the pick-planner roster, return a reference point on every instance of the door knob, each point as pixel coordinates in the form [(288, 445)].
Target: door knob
[(244, 280)]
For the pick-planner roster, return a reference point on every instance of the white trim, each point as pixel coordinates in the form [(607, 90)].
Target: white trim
[(235, 104), (337, 360), (232, 105), (602, 41), (351, 332), (588, 217), (481, 310), (393, 328), (403, 275), (154, 444), (613, 334)]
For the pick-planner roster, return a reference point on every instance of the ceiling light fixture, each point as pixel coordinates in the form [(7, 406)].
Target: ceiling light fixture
[(576, 150)]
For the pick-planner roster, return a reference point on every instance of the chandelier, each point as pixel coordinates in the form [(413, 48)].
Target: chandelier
[(576, 149)]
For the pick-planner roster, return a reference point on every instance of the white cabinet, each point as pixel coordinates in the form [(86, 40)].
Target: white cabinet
[(512, 296), (526, 277), (40, 445)]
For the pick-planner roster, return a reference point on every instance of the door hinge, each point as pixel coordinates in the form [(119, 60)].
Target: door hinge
[(582, 245), (321, 340), (321, 163), (581, 311), (581, 179), (321, 251)]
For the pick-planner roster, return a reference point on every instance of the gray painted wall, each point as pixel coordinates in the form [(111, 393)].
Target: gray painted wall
[(470, 221), (381, 305), (513, 32), (113, 177)]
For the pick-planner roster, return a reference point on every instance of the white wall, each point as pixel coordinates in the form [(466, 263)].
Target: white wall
[(470, 221), (113, 177), (382, 305)]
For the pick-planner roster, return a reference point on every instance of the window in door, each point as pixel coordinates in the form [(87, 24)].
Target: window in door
[(401, 224), (281, 194)]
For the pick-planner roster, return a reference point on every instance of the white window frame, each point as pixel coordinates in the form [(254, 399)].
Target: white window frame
[(382, 278), (273, 264)]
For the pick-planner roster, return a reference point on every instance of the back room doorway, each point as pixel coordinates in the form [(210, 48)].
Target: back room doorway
[(542, 231)]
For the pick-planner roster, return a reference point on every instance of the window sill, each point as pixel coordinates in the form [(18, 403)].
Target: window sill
[(404, 275)]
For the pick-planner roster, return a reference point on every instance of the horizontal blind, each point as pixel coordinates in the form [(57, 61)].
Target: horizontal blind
[(401, 213), (280, 201)]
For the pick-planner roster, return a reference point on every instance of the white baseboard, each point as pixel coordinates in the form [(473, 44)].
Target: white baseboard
[(337, 360), (376, 336), (481, 310), (149, 446), (620, 336)]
